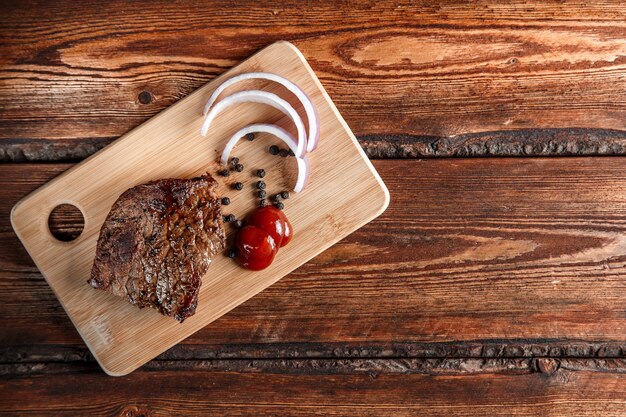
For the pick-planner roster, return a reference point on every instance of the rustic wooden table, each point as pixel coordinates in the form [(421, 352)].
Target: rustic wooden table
[(491, 286)]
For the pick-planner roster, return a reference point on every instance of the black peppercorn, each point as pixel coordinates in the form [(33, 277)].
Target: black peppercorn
[(262, 194), (260, 173), (263, 203), (284, 153), (223, 172), (285, 195), (279, 206), (238, 167), (274, 150), (250, 136), (277, 198), (234, 160), (238, 186), (229, 218), (260, 185), (238, 224), (225, 201), (231, 253)]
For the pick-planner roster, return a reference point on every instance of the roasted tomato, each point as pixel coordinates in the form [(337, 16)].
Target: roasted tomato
[(255, 248), (274, 222), (266, 230)]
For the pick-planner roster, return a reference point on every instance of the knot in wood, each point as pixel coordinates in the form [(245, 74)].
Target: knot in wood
[(145, 97), (547, 366)]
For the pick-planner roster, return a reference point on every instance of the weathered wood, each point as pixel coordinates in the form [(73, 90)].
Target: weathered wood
[(410, 78), (355, 366), (521, 258), (521, 142), (509, 348), (497, 388)]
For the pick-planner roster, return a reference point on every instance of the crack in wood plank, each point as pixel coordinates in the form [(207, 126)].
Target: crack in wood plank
[(522, 142), (367, 366), (479, 349)]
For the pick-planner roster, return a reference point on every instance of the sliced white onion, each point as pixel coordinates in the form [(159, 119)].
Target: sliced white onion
[(263, 97), (280, 133), (307, 103), (303, 173)]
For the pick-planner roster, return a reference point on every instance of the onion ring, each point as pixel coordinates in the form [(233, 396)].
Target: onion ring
[(307, 103), (280, 133), (263, 97)]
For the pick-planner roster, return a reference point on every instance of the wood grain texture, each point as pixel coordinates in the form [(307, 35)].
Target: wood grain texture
[(122, 337), (518, 258), (411, 78), (518, 390)]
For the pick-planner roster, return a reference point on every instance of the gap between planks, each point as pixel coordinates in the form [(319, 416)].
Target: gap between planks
[(512, 143), (495, 349), (334, 366)]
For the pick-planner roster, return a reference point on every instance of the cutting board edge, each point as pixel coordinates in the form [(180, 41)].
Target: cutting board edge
[(344, 124), (113, 368)]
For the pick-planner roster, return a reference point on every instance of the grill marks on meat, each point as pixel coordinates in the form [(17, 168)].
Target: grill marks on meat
[(158, 241)]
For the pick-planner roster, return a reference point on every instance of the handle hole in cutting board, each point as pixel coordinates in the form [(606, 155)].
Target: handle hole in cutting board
[(66, 222)]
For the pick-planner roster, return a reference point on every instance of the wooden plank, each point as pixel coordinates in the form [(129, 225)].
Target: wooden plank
[(122, 337), (485, 250), (75, 76), (248, 389)]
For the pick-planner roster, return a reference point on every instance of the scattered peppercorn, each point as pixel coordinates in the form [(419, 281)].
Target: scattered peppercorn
[(238, 167), (238, 186), (262, 194), (260, 185), (223, 172), (274, 150), (279, 206), (285, 195), (234, 160), (291, 153), (277, 198), (225, 201), (250, 136), (260, 173), (231, 253), (238, 224), (229, 218), (284, 153), (263, 203)]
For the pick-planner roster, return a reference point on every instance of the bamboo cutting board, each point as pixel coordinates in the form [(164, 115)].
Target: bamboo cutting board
[(344, 192)]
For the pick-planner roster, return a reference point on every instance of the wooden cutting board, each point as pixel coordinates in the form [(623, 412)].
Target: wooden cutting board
[(344, 192)]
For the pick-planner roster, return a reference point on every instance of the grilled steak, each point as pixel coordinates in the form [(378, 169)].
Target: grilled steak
[(158, 241)]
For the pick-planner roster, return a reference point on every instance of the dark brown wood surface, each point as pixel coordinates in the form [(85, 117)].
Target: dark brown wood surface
[(487, 267), (490, 286), (410, 78), (243, 388)]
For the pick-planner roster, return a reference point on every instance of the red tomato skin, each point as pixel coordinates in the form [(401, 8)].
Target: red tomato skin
[(256, 265), (287, 229), (271, 220), (256, 248), (288, 232)]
